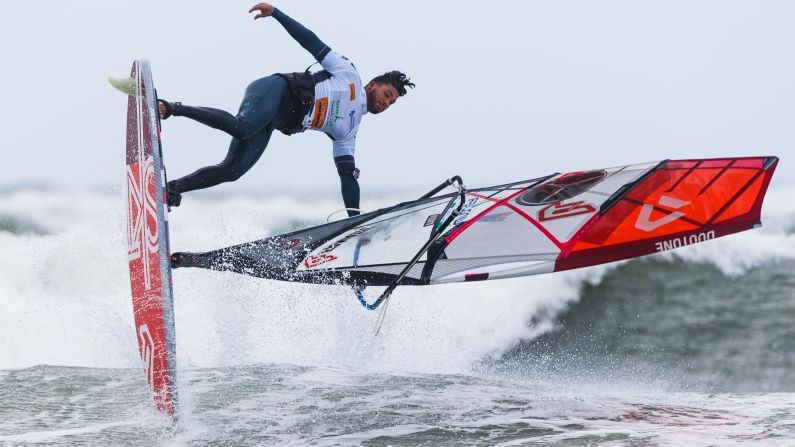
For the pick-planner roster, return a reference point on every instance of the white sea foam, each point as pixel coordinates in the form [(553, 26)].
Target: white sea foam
[(65, 295), (50, 435)]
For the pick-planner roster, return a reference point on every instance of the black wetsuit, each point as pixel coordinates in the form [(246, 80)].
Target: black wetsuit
[(266, 106)]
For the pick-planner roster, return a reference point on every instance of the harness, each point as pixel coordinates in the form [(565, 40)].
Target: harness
[(301, 99)]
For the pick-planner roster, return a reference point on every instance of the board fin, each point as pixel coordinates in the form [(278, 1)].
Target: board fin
[(128, 86)]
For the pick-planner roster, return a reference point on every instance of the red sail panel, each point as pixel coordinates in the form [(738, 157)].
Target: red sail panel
[(680, 203)]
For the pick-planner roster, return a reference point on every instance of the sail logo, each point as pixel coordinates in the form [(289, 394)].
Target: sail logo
[(142, 235), (558, 210), (684, 241), (314, 261), (147, 352), (324, 256), (645, 222), (462, 216), (284, 244)]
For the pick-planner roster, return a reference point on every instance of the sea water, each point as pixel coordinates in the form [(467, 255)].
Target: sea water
[(694, 346)]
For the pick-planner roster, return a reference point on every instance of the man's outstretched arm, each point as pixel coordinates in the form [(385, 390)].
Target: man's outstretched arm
[(300, 33), (349, 175)]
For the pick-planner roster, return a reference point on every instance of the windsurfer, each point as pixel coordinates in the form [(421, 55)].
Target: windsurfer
[(332, 101)]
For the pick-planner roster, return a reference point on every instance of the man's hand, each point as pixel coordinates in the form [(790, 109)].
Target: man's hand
[(264, 9)]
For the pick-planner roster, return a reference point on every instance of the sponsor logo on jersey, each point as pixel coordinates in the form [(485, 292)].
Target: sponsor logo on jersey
[(321, 109), (684, 241), (560, 210), (334, 113), (352, 86), (352, 121)]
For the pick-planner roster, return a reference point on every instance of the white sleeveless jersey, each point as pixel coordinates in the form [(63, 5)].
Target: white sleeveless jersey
[(340, 103)]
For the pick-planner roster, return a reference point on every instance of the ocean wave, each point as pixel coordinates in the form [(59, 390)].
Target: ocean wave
[(68, 292), (18, 226)]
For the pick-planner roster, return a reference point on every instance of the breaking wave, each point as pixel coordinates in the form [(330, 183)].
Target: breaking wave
[(63, 271)]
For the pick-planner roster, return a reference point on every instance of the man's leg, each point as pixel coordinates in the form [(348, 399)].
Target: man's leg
[(260, 105), (242, 155)]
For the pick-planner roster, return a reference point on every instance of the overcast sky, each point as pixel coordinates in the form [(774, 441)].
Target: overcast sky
[(506, 90)]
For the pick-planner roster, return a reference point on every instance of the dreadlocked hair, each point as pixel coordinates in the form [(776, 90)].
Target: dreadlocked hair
[(397, 79)]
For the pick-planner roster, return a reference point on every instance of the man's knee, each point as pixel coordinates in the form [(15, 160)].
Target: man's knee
[(235, 173), (346, 166), (236, 170)]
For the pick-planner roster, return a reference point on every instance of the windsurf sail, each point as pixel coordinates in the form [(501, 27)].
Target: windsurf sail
[(547, 224), (147, 238)]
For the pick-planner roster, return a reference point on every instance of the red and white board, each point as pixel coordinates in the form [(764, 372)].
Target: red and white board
[(148, 245)]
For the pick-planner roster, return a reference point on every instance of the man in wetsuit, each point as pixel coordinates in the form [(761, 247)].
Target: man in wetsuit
[(332, 101)]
